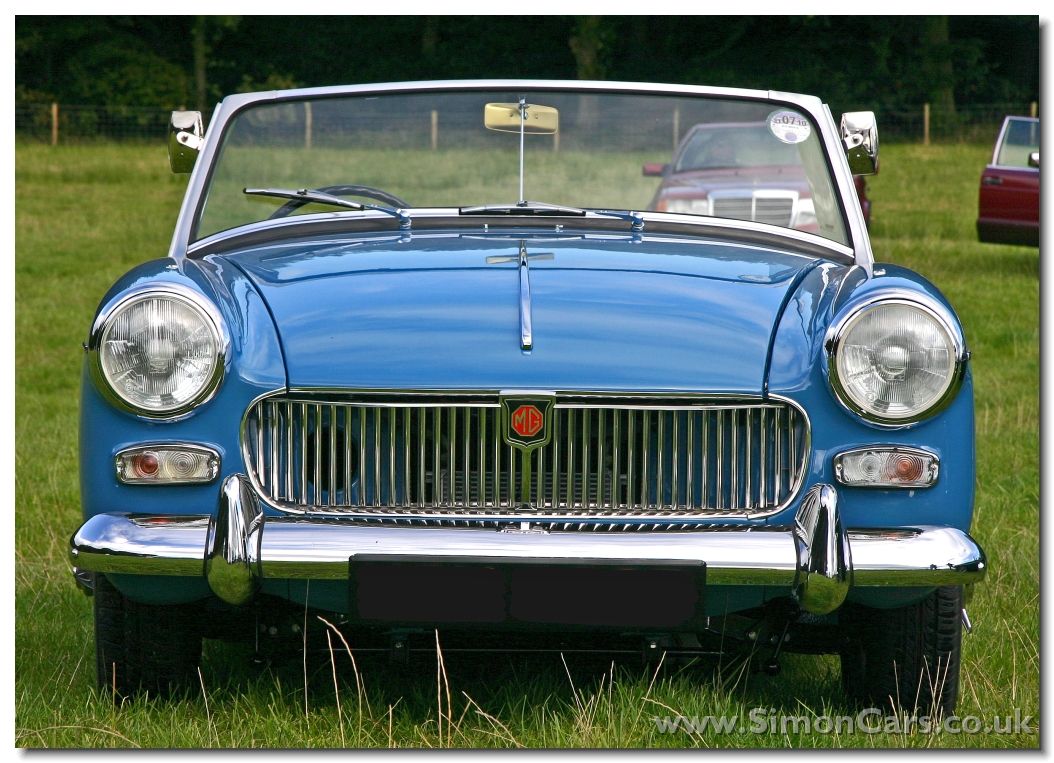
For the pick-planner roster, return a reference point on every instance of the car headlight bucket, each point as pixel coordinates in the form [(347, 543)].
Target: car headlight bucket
[(896, 360), (158, 352)]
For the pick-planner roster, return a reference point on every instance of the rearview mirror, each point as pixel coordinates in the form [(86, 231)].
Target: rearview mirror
[(505, 117), (654, 169), (860, 138), (186, 136), (1033, 159)]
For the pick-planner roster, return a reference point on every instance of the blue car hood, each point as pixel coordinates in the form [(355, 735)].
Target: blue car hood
[(608, 314)]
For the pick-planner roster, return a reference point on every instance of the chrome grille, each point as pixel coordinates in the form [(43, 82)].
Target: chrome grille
[(604, 459), (770, 207), (773, 211), (736, 209)]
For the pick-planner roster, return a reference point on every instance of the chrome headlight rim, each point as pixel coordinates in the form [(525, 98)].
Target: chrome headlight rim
[(935, 310), (195, 300)]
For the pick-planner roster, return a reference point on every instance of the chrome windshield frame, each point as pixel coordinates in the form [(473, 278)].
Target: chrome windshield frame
[(225, 112)]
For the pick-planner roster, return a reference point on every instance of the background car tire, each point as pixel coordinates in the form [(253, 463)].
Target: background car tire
[(908, 656), (143, 647)]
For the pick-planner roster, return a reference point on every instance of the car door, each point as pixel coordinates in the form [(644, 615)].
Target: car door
[(1009, 187)]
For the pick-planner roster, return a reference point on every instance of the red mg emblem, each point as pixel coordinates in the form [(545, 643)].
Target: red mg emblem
[(527, 421)]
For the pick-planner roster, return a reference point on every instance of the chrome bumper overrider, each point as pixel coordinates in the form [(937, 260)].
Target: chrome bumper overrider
[(235, 548)]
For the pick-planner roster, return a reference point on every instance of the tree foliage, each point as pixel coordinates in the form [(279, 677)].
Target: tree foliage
[(879, 62)]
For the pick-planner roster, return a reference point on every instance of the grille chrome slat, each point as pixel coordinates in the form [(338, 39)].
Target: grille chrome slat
[(689, 483), (660, 447), (645, 493), (407, 448), (778, 478), (603, 459)]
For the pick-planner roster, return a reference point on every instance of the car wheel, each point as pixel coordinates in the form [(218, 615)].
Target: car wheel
[(143, 647), (906, 658)]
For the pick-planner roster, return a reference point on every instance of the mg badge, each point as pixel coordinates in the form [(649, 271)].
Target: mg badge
[(527, 421), (526, 424)]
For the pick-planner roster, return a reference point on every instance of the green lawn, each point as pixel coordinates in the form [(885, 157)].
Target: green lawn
[(84, 215)]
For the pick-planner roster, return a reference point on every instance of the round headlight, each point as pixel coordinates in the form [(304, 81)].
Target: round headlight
[(160, 352), (894, 362)]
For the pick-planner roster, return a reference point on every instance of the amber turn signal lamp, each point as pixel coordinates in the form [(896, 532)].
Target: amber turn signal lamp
[(167, 464), (886, 466)]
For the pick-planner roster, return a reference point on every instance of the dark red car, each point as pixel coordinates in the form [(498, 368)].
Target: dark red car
[(738, 170), (1008, 208)]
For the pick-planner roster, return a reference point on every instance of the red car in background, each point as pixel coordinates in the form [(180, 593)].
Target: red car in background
[(1008, 208), (738, 170)]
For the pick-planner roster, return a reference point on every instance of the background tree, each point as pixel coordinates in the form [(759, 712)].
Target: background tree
[(881, 62), (587, 44), (207, 32), (937, 63)]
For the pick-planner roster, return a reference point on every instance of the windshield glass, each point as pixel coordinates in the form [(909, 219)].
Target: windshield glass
[(744, 159), (1020, 139), (710, 147)]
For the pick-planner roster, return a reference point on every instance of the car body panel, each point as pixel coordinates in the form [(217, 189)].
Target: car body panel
[(375, 316), (798, 372), (254, 367)]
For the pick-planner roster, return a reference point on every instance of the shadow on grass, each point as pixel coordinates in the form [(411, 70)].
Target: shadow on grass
[(515, 695)]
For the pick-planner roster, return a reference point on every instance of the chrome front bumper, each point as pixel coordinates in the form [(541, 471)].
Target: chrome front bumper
[(235, 548)]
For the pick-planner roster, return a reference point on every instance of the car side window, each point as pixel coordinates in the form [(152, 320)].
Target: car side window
[(1020, 139)]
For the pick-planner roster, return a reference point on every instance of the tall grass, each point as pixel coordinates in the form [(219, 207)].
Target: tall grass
[(85, 215)]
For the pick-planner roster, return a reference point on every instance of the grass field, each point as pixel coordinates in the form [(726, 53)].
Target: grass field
[(85, 215)]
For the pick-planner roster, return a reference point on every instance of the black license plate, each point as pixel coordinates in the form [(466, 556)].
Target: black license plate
[(601, 593)]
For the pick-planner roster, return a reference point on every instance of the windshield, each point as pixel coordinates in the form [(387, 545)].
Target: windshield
[(744, 146), (586, 150)]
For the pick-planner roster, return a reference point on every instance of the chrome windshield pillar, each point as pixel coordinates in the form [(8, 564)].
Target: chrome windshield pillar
[(825, 563)]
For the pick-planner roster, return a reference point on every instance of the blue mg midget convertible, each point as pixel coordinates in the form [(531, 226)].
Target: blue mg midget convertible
[(374, 381)]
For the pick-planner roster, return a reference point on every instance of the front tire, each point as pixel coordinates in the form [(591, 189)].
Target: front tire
[(143, 647), (906, 658)]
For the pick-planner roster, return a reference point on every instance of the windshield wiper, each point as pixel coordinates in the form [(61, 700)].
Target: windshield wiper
[(541, 209), (524, 208), (318, 197)]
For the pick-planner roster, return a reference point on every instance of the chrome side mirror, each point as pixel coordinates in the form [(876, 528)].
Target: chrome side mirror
[(1033, 159), (860, 138), (186, 136)]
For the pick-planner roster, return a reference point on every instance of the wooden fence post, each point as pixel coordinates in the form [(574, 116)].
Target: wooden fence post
[(54, 123), (435, 129), (925, 124), (1033, 109), (676, 127), (307, 124)]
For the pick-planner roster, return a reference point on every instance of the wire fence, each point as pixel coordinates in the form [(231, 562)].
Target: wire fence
[(58, 123), (975, 123)]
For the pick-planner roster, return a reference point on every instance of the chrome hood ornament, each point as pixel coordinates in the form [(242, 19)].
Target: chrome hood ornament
[(526, 329)]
